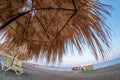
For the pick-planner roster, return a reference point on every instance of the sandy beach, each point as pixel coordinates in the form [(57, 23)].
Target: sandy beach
[(33, 73)]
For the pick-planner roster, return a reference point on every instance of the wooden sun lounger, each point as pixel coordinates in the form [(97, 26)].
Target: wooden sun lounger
[(16, 66)]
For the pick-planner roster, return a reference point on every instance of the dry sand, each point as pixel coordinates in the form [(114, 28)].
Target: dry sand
[(33, 73)]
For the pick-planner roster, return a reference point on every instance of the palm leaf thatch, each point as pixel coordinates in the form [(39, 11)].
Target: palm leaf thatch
[(14, 55), (46, 28)]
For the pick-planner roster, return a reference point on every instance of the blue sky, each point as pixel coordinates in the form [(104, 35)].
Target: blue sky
[(114, 23)]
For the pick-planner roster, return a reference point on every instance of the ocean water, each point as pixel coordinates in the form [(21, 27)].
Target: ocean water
[(96, 66), (107, 63)]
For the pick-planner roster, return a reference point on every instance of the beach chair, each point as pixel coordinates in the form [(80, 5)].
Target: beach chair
[(16, 66)]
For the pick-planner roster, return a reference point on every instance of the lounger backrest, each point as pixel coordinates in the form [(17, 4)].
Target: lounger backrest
[(9, 61), (18, 63)]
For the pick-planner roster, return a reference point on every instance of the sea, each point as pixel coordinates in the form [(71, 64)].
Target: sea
[(96, 66)]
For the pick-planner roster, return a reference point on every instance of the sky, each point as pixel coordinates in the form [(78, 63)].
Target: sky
[(114, 23), (87, 58)]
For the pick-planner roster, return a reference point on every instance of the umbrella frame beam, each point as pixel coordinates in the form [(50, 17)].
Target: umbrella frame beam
[(32, 9), (13, 19), (75, 11)]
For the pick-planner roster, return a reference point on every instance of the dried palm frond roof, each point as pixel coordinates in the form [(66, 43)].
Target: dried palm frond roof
[(46, 28)]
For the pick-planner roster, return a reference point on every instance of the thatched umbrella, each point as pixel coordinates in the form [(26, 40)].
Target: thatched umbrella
[(46, 28)]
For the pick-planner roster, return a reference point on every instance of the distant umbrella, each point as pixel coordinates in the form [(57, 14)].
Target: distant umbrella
[(46, 28)]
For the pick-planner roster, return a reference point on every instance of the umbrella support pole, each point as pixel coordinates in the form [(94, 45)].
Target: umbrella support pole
[(13, 59)]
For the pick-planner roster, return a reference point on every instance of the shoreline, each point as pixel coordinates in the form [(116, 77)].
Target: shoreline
[(33, 73), (69, 69)]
